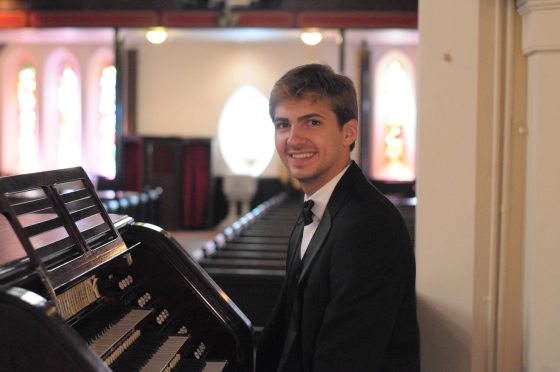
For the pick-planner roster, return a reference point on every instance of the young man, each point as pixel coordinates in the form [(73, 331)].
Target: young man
[(348, 303)]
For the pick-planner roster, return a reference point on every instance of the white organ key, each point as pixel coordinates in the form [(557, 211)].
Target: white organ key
[(118, 334), (167, 356)]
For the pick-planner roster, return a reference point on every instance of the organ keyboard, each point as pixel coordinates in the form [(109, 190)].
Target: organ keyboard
[(81, 290)]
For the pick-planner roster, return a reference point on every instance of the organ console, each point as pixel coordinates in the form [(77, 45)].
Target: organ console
[(82, 290)]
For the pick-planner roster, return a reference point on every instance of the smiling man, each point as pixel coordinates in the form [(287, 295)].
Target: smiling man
[(348, 302)]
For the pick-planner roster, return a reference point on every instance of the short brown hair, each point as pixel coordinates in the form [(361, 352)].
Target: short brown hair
[(317, 81)]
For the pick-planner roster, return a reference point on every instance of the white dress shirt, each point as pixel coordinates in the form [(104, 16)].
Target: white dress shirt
[(320, 199)]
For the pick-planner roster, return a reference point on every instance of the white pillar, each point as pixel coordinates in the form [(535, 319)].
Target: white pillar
[(447, 166), (238, 189), (541, 45)]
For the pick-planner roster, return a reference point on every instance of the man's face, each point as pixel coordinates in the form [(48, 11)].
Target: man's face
[(310, 142)]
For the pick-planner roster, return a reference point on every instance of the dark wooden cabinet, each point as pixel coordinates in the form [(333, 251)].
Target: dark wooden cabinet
[(182, 167)]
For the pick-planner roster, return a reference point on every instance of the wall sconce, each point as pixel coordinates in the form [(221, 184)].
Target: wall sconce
[(311, 37), (156, 35)]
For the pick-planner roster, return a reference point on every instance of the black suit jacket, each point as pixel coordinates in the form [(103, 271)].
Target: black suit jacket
[(353, 305)]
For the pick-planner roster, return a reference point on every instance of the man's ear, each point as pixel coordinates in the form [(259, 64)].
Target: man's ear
[(350, 131)]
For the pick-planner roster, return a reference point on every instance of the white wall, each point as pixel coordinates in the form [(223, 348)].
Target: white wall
[(183, 95)]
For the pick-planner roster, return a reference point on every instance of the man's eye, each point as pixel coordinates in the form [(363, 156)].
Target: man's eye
[(281, 125), (314, 122)]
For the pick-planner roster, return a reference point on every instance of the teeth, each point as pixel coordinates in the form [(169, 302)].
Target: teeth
[(302, 156)]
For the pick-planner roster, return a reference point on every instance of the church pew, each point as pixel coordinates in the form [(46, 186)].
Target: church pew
[(264, 247), (248, 259)]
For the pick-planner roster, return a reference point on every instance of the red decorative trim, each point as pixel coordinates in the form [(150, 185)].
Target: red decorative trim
[(93, 18), (189, 19), (266, 19), (280, 19), (13, 19), (355, 19)]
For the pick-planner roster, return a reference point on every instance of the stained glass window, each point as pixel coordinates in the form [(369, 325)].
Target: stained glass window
[(27, 119), (107, 121), (69, 118), (394, 134)]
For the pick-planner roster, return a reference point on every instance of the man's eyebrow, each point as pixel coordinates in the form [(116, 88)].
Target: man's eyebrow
[(300, 118), (309, 116)]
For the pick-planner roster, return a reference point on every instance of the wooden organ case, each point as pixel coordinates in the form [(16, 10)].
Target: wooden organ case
[(82, 290)]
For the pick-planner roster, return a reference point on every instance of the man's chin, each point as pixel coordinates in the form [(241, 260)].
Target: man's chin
[(301, 177)]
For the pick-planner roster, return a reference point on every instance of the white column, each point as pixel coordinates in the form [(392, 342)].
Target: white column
[(541, 45), (238, 189), (446, 189), (463, 140)]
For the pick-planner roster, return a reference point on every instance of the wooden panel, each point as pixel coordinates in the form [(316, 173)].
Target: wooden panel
[(189, 19), (93, 18), (268, 19), (165, 167), (13, 19), (206, 18), (354, 19)]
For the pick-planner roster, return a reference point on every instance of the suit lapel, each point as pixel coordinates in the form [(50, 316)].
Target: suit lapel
[(335, 203), (315, 243), (294, 245)]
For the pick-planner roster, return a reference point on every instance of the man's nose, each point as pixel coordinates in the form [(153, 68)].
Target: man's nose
[(295, 136)]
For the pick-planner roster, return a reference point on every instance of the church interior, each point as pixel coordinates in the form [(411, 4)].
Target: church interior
[(458, 125)]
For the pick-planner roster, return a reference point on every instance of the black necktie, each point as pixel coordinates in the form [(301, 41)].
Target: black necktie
[(307, 214)]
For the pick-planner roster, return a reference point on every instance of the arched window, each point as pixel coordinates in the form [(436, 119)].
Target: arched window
[(42, 91), (245, 133), (69, 118), (99, 144), (61, 124), (19, 108), (27, 119), (107, 121), (394, 134)]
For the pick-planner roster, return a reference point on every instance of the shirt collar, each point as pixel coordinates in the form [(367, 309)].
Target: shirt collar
[(321, 197)]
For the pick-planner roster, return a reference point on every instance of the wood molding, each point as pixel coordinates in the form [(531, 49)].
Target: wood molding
[(526, 6), (207, 18), (189, 19), (266, 19), (92, 19), (355, 19), (13, 19), (538, 18)]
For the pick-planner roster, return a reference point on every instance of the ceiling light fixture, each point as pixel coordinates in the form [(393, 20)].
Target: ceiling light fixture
[(311, 37), (156, 35)]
